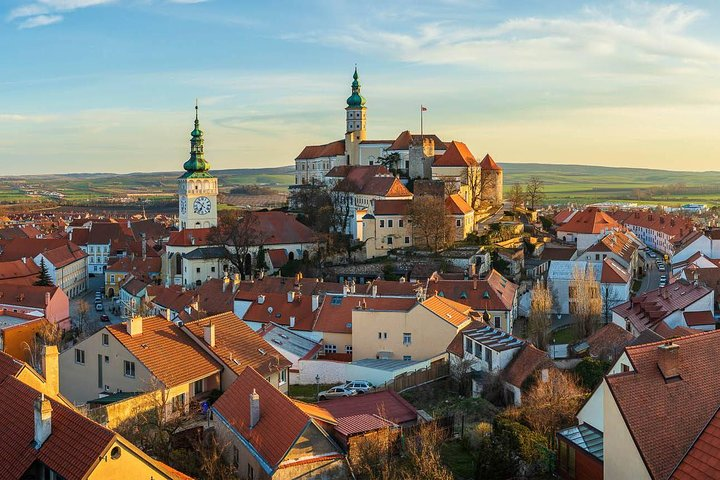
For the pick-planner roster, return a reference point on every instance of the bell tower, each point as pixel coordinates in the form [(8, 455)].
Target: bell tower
[(355, 122), (197, 188)]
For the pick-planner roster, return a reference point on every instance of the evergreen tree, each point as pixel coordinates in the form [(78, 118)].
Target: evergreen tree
[(44, 279)]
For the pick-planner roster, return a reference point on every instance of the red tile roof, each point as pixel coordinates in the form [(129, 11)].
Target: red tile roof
[(211, 298), (456, 205), (238, 346), (331, 149), (386, 403), (650, 308), (590, 220), (697, 319), (25, 295), (280, 228), (361, 423), (64, 255), (557, 253), (316, 412), (702, 461), (19, 272), (335, 313), (281, 420), (276, 308), (189, 237), (646, 401), (169, 353), (524, 364), (150, 266), (278, 257), (609, 341), (105, 233), (248, 290), (563, 216), (456, 155), (675, 226), (452, 312), (618, 243), (494, 292), (392, 207), (373, 180), (488, 163), (613, 272), (79, 236)]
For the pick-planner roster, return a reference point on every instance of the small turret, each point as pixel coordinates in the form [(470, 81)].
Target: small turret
[(196, 162)]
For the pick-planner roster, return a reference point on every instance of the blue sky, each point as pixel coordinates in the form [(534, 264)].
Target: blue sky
[(102, 85)]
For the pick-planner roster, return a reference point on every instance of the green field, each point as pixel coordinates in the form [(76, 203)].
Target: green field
[(563, 184)]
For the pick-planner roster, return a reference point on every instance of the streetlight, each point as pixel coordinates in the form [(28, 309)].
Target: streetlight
[(317, 387)]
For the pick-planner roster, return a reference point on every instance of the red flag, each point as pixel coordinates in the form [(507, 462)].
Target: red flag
[(423, 108)]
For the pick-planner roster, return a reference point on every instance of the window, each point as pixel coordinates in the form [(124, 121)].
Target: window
[(348, 349), (390, 223), (400, 223), (566, 459), (497, 322), (624, 368), (597, 256), (105, 339), (250, 472), (382, 223), (212, 269), (379, 335), (330, 348), (407, 338), (389, 240), (283, 376), (407, 239), (178, 403), (468, 345), (197, 270), (407, 358), (627, 327), (129, 369), (107, 359), (80, 356), (112, 278), (198, 387), (488, 358), (478, 350), (458, 223)]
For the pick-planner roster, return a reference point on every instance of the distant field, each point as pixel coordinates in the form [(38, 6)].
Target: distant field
[(563, 184)]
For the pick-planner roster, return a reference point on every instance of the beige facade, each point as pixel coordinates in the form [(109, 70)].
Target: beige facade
[(123, 461), (492, 190), (464, 225), (385, 232), (71, 278), (417, 334), (98, 365), (340, 340)]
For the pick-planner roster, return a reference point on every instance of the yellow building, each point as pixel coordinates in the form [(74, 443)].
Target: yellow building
[(463, 216), (419, 332), (45, 437), (387, 226)]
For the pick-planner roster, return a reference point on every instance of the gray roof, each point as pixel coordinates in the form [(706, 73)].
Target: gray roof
[(563, 269), (284, 338), (494, 338), (386, 365), (204, 253)]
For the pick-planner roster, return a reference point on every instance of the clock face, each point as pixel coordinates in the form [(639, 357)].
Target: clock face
[(183, 205), (202, 205)]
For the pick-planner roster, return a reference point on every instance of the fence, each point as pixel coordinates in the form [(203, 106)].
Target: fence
[(437, 370)]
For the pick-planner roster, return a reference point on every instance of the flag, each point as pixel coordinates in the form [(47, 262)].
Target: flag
[(423, 108)]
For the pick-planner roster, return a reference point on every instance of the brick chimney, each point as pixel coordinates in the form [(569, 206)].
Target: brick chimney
[(47, 298), (290, 296), (226, 282), (236, 282), (134, 326), (43, 420), (254, 408), (669, 360), (209, 334), (50, 368)]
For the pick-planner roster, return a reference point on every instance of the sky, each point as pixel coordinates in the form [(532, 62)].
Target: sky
[(110, 85)]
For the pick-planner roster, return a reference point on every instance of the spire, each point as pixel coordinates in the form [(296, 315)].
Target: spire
[(356, 100), (196, 162)]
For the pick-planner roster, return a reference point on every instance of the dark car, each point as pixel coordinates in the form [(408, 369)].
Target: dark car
[(104, 318)]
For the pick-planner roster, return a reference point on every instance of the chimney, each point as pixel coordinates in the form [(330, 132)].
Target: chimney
[(236, 282), (474, 283), (209, 334), (47, 298), (669, 360), (695, 278), (226, 282), (254, 408), (292, 322), (144, 246), (43, 420), (291, 296), (315, 302), (134, 326), (261, 274), (545, 375), (345, 289), (24, 259), (374, 291), (50, 368), (261, 299)]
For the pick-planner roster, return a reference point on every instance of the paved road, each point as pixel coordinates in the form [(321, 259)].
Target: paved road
[(95, 284), (651, 281), (493, 218)]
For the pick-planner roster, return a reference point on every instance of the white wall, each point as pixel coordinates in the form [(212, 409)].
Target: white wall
[(329, 371)]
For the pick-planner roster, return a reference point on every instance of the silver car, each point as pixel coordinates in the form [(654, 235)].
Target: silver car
[(335, 392), (360, 386)]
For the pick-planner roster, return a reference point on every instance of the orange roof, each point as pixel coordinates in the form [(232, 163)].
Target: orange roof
[(674, 226), (613, 272), (456, 155), (369, 180), (392, 207), (237, 345), (136, 266), (169, 353), (19, 272), (452, 312), (316, 412), (590, 220), (456, 205), (488, 163), (331, 149), (647, 402), (276, 308), (281, 421), (189, 237), (525, 362), (335, 313)]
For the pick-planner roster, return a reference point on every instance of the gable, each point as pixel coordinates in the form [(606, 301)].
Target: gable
[(312, 442)]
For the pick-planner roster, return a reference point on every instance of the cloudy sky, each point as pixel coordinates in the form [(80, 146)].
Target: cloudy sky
[(109, 85)]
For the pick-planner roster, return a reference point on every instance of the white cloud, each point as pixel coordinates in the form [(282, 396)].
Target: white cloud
[(39, 21), (47, 12)]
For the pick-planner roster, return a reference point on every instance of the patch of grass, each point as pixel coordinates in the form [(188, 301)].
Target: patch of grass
[(458, 459), (440, 398), (564, 335), (307, 393)]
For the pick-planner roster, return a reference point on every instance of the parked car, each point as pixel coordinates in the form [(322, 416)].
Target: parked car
[(652, 255), (360, 386), (99, 307), (335, 392), (104, 318)]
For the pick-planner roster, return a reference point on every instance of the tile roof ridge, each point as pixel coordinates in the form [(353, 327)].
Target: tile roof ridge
[(661, 342), (692, 444)]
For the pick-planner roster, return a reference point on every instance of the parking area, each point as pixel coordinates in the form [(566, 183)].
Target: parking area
[(657, 271), (96, 284)]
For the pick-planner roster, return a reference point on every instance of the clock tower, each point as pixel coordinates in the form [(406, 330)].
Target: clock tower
[(197, 188)]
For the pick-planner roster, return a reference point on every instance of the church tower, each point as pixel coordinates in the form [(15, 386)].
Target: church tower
[(355, 121), (197, 188)]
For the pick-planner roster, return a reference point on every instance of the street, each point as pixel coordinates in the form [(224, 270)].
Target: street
[(95, 284), (651, 280)]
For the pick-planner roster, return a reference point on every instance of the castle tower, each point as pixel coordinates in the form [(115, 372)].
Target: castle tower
[(355, 121), (197, 188), (493, 186)]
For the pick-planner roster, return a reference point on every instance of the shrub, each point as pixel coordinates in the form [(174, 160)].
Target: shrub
[(590, 371)]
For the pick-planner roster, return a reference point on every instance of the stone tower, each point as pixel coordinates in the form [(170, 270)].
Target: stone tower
[(355, 122), (197, 188), (421, 154), (492, 181)]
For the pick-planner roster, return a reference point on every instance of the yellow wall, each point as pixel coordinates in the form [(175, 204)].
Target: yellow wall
[(430, 335), (622, 459), (338, 339), (129, 465), (377, 237)]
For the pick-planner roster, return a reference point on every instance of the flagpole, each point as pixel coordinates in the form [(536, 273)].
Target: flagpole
[(421, 123)]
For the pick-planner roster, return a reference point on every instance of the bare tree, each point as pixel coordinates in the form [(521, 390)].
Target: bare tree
[(534, 191), (461, 372), (430, 221), (585, 299), (238, 231), (551, 403), (479, 187), (48, 334), (517, 195), (423, 455), (540, 320)]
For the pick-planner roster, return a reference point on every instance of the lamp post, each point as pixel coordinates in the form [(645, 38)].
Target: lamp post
[(317, 387)]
